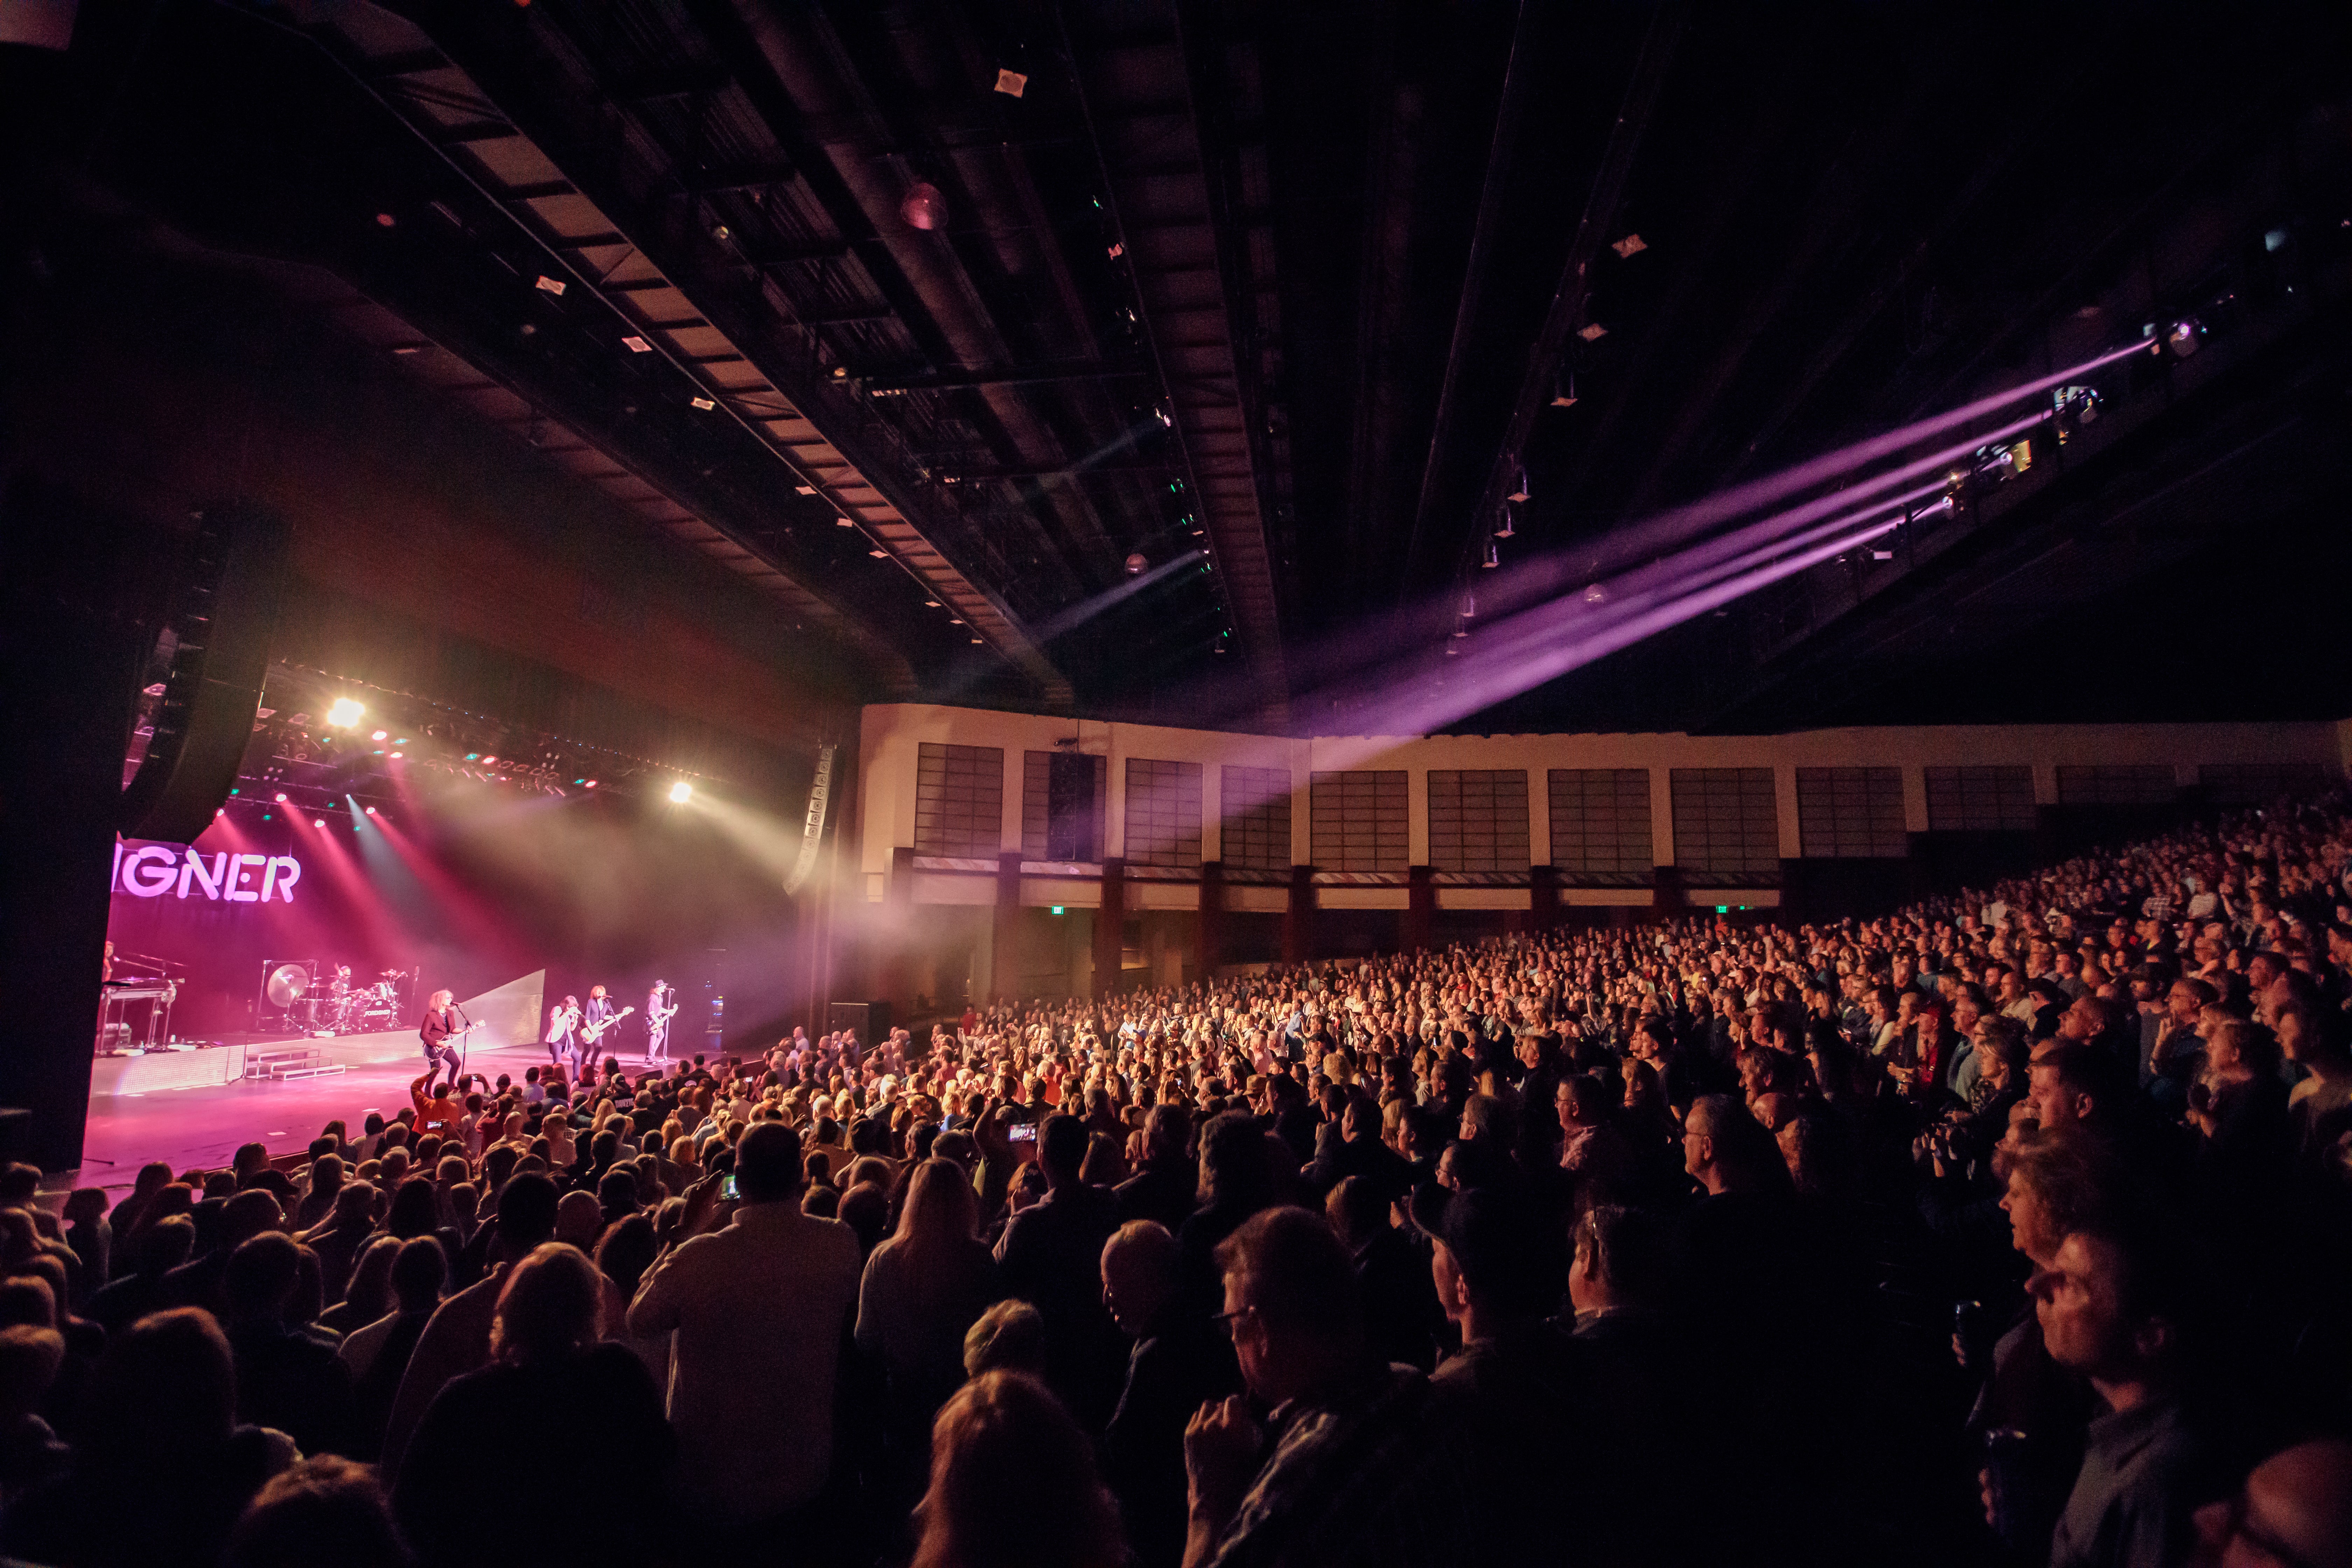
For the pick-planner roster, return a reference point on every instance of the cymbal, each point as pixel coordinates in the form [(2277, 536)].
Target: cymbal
[(287, 982)]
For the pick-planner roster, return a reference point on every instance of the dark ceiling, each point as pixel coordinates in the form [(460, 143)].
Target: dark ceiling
[(1285, 298)]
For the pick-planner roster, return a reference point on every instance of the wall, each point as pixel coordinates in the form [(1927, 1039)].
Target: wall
[(1334, 917)]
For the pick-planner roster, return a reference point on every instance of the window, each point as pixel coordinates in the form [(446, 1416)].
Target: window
[(1850, 814), (2136, 784), (959, 801), (1062, 805), (1362, 820), (1725, 821), (2259, 783), (1981, 800), (1478, 820), (1600, 822), (1163, 813), (1256, 817)]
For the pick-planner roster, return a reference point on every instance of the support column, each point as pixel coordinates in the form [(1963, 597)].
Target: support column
[(1004, 945), (892, 983), (1543, 897), (1212, 927), (1298, 918), (1420, 904), (1111, 927), (71, 640)]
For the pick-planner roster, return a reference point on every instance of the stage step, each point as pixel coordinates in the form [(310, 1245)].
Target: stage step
[(285, 1063)]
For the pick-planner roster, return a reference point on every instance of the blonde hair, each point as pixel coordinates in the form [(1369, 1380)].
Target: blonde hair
[(1013, 1484), (440, 999)]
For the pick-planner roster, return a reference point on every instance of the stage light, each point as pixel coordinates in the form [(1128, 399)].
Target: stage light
[(473, 756), (1494, 556), (930, 604), (1011, 83), (344, 713), (1136, 562), (488, 761), (923, 207), (1632, 245), (371, 811), (879, 554), (1519, 494), (842, 521), (397, 755), (1563, 393), (2183, 338), (590, 785), (1593, 331), (681, 793), (702, 404), (281, 797), (317, 822), (976, 642), (380, 735), (1509, 528)]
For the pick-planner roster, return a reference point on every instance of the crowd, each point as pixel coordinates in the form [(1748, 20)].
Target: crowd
[(2010, 1228)]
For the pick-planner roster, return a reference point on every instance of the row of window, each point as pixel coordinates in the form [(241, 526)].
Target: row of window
[(1726, 820)]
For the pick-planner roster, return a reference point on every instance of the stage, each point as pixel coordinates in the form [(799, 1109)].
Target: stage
[(202, 1127)]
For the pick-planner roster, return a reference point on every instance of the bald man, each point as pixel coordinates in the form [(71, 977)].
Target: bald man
[(1178, 1363), (2294, 1508)]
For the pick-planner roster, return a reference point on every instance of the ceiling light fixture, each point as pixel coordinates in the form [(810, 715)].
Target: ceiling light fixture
[(1593, 331), (1630, 245), (1011, 83), (1521, 493), (923, 206)]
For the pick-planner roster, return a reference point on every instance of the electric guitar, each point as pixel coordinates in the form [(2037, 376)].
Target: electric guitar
[(660, 1019), (591, 1034)]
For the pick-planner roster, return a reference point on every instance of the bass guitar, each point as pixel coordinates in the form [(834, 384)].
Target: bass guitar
[(592, 1033)]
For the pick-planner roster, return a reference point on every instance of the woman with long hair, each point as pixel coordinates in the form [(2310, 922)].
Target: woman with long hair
[(922, 1288), (1013, 1484), (456, 1498)]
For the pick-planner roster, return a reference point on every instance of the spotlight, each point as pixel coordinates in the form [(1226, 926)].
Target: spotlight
[(1509, 527), (590, 785), (879, 554), (380, 735), (2184, 337), (385, 220), (703, 404), (1136, 563), (1161, 415), (344, 713), (397, 755), (923, 207), (317, 822), (681, 793), (843, 521), (371, 811), (1521, 493), (488, 761), (930, 604), (281, 797)]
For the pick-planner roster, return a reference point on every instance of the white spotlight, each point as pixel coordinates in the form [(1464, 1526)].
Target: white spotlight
[(344, 712), (681, 792)]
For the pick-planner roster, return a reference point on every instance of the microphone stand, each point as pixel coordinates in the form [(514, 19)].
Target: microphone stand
[(466, 1044)]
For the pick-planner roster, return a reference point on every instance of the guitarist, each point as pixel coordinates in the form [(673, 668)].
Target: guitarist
[(440, 1026), (659, 1011), (601, 1018), (596, 1020)]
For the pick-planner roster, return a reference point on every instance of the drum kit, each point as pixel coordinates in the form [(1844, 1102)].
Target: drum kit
[(323, 999)]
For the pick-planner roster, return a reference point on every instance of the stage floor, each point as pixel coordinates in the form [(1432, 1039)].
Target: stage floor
[(201, 1128)]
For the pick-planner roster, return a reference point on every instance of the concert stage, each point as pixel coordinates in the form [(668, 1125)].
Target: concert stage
[(203, 1126)]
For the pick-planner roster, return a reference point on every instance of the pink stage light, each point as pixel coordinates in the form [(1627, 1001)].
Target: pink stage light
[(281, 797)]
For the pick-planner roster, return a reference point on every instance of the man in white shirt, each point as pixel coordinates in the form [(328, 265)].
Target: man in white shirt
[(760, 1307)]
